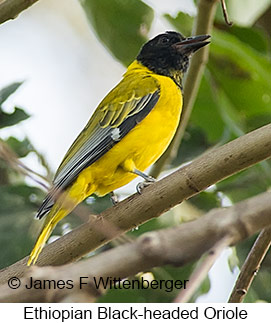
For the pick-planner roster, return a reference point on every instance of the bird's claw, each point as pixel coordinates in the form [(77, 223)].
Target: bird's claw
[(140, 186), (114, 198)]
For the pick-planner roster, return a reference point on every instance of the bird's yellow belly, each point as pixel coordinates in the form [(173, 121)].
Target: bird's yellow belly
[(142, 146)]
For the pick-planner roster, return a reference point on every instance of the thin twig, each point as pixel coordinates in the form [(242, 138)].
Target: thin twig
[(225, 13), (251, 266), (10, 9), (202, 270), (12, 160)]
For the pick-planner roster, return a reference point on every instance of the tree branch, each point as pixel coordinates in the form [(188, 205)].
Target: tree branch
[(197, 277), (211, 167), (251, 266), (203, 25), (176, 246), (10, 9)]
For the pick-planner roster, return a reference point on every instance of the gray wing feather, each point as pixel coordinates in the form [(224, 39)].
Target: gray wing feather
[(101, 140)]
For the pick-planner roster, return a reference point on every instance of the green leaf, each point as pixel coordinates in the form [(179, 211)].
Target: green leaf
[(240, 80), (121, 25), (20, 147), (194, 143), (182, 22), (246, 184), (254, 37), (206, 114), (10, 119), (8, 91), (203, 289), (205, 201), (233, 259), (253, 64)]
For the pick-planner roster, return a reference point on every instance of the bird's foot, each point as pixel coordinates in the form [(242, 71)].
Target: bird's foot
[(140, 186), (148, 180), (114, 198)]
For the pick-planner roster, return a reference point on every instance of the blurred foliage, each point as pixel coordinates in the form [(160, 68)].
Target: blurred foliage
[(110, 19), (182, 22), (155, 295), (17, 199), (18, 204), (6, 119), (21, 147), (234, 98)]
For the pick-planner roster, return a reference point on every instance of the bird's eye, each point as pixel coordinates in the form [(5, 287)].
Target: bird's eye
[(163, 40)]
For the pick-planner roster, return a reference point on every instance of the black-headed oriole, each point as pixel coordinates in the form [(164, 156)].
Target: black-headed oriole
[(129, 130)]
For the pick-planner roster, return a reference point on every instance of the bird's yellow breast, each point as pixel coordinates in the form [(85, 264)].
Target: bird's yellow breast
[(142, 146)]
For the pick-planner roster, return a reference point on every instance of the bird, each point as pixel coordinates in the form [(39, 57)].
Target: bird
[(129, 130)]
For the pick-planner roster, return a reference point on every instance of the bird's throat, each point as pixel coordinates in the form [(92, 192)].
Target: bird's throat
[(177, 77)]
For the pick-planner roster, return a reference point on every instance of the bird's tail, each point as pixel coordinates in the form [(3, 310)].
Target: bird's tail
[(64, 205), (55, 215)]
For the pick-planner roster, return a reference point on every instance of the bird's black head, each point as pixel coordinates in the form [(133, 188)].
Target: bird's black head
[(168, 54)]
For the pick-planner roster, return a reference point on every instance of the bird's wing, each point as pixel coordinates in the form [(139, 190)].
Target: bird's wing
[(121, 110)]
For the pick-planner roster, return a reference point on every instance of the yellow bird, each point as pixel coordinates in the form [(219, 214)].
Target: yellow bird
[(128, 132)]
